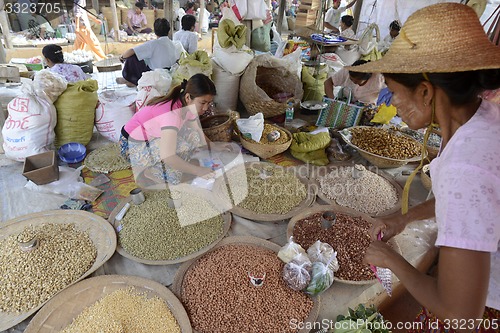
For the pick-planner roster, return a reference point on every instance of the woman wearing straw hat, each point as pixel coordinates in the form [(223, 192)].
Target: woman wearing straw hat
[(436, 68)]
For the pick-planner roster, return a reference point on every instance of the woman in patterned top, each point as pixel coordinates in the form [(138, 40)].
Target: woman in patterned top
[(436, 70), (54, 58)]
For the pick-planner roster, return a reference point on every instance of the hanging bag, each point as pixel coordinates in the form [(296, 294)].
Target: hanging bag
[(340, 114)]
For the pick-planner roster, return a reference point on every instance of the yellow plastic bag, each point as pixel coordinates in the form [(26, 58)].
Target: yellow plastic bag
[(384, 114)]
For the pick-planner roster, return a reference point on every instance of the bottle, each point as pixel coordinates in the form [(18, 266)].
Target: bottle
[(289, 115)]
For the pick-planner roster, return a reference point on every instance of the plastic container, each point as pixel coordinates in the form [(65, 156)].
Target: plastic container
[(289, 115), (72, 152)]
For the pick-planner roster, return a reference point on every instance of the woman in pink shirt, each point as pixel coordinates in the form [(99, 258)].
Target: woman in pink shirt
[(163, 135), (436, 70), (136, 20)]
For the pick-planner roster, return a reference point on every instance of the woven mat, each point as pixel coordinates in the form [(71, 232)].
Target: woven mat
[(120, 184)]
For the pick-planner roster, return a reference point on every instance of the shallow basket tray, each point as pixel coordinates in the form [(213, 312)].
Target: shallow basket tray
[(100, 231), (226, 216), (377, 160), (221, 191), (108, 65), (104, 152), (242, 240), (60, 311), (387, 177), (323, 208), (267, 150)]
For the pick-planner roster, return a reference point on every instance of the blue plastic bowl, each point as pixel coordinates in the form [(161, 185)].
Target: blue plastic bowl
[(72, 152)]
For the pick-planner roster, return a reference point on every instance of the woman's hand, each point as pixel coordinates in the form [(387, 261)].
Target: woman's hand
[(389, 227), (380, 254)]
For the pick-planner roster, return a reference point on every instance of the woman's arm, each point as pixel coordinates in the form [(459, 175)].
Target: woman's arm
[(129, 23), (168, 145), (458, 293), (329, 87)]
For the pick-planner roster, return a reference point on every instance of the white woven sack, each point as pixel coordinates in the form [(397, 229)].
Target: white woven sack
[(29, 128), (231, 59), (228, 87), (114, 110)]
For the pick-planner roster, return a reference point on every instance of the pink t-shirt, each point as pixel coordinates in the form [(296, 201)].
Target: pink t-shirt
[(368, 93), (148, 123), (137, 19), (466, 184)]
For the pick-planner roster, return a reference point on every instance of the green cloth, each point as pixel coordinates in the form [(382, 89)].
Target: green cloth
[(191, 64), (261, 39), (76, 113), (310, 148), (314, 88), (229, 34)]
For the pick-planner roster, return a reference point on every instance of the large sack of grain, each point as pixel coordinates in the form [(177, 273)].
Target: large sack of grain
[(114, 110)]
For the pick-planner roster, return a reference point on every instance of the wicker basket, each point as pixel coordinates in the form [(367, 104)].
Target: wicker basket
[(267, 150), (220, 127), (109, 65), (267, 76), (425, 178)]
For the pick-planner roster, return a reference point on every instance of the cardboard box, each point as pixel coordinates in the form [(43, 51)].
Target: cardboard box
[(41, 168)]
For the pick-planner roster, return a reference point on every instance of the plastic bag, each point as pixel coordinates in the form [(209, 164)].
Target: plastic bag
[(296, 274), (321, 279), (323, 252), (290, 250), (252, 127)]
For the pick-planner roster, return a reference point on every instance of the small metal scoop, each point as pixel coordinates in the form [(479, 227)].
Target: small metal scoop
[(137, 196), (328, 219), (27, 245)]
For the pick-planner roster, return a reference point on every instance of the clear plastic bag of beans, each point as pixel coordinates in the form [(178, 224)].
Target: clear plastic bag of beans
[(290, 250), (296, 274), (321, 279), (323, 252)]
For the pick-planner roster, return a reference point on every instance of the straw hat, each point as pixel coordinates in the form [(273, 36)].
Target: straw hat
[(441, 38)]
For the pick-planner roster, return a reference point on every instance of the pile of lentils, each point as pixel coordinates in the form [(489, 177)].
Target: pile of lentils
[(370, 193), (385, 142), (152, 230), (271, 190), (29, 278), (348, 236), (125, 311), (218, 296), (264, 140)]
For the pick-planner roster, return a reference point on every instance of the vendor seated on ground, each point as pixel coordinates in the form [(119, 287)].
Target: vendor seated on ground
[(154, 54), (364, 87), (346, 23), (394, 29), (54, 58), (187, 37), (136, 20), (332, 16), (160, 139)]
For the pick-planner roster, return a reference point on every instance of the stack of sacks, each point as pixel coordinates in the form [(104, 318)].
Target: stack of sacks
[(29, 128)]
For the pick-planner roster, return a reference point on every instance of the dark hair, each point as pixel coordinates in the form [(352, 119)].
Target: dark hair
[(347, 20), (187, 22), (460, 87), (54, 53), (190, 5), (139, 5), (395, 25), (162, 27), (359, 75), (198, 85)]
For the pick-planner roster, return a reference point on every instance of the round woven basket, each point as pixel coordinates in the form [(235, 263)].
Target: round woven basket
[(267, 150), (384, 175), (67, 305), (323, 208), (219, 127), (100, 231), (109, 65), (226, 216), (243, 240), (221, 191), (425, 178)]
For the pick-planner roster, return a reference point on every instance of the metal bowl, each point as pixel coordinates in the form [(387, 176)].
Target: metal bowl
[(312, 107)]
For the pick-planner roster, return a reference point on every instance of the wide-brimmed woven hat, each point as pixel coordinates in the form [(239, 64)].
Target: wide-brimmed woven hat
[(442, 38)]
